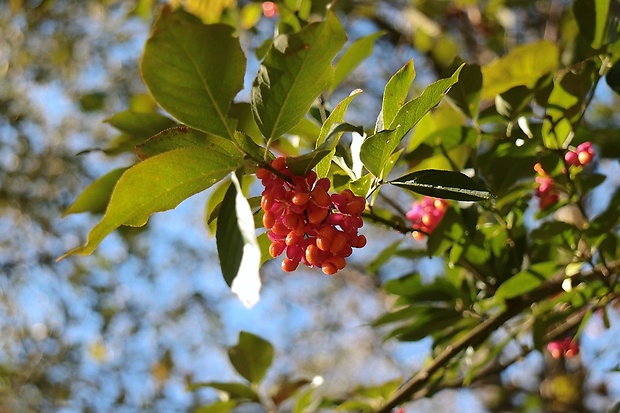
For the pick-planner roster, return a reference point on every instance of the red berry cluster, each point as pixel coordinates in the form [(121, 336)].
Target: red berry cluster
[(425, 215), (312, 226), (582, 156), (545, 190), (566, 347)]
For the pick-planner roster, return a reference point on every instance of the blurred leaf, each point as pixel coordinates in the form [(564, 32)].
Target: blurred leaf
[(337, 116), (511, 103), (395, 94), (208, 11), (304, 402), (251, 357), (91, 102), (355, 54), (140, 125), (286, 390), (95, 197), (179, 174), (195, 81), (443, 184), (296, 70), (613, 77), (237, 247), (523, 65), (591, 17), (526, 280), (383, 257), (236, 391), (466, 92), (217, 407)]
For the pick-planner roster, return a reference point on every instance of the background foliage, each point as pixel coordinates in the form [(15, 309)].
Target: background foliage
[(146, 323)]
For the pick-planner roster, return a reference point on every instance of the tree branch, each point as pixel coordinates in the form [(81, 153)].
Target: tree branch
[(481, 332)]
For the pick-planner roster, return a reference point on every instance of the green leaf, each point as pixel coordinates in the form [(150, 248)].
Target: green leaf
[(238, 391), (591, 17), (337, 116), (251, 357), (95, 196), (410, 114), (377, 149), (526, 280), (383, 257), (176, 138), (300, 165), (194, 70), (353, 56), (140, 125), (237, 247), (296, 70), (443, 184), (218, 407), (395, 94), (613, 77), (523, 65), (466, 92), (158, 184)]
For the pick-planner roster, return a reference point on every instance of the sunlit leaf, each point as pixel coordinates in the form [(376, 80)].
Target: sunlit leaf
[(176, 138), (526, 280), (193, 80), (95, 197), (523, 65), (300, 165), (142, 125), (158, 184), (251, 357), (217, 407), (443, 184), (336, 116), (237, 391), (395, 94), (296, 70), (353, 56)]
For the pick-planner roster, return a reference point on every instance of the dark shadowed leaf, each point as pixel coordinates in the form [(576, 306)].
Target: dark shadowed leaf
[(443, 184), (591, 17), (466, 92), (237, 247)]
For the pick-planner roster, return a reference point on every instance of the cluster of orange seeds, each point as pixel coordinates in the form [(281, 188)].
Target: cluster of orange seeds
[(306, 222)]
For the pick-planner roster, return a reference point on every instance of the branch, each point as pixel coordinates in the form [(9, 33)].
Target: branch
[(481, 332)]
